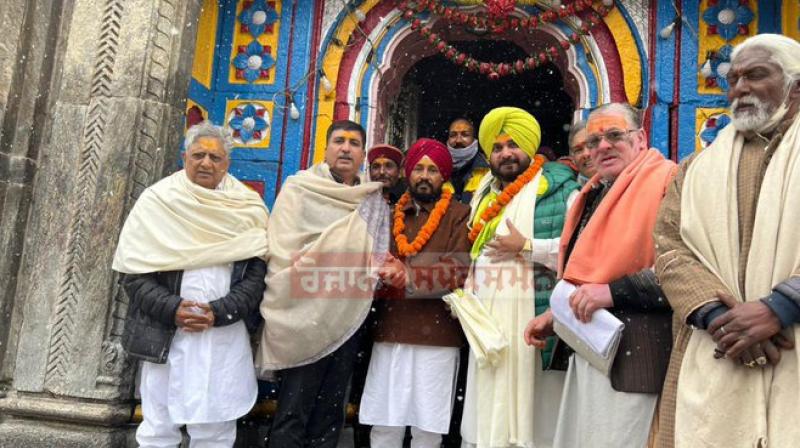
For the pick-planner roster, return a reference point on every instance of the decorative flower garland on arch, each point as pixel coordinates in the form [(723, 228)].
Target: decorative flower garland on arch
[(495, 70), (406, 249), (495, 18)]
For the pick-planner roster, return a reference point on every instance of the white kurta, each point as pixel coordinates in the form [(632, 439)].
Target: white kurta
[(410, 385), (593, 414), (209, 376)]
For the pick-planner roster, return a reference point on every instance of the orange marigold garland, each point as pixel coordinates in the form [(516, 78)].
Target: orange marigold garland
[(405, 248), (507, 195)]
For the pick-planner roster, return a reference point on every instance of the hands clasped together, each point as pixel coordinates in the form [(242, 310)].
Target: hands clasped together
[(194, 317), (393, 272), (748, 333)]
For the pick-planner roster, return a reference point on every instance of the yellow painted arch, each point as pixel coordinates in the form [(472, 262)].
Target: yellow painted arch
[(628, 55)]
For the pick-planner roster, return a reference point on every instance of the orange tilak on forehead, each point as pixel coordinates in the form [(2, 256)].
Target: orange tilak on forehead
[(460, 127), (502, 138), (602, 123), (208, 144), (352, 135)]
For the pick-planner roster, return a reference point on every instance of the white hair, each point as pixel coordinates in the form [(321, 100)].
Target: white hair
[(209, 129), (784, 52)]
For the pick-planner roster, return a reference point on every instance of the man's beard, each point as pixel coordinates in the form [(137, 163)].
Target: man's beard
[(763, 119), (425, 198), (752, 120), (511, 176)]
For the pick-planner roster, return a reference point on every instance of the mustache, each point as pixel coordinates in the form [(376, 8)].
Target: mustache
[(423, 182), (344, 157)]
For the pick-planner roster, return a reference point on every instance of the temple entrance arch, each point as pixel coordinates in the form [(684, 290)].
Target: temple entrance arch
[(368, 60), (435, 91)]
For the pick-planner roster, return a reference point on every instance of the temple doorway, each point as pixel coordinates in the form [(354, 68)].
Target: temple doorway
[(434, 91)]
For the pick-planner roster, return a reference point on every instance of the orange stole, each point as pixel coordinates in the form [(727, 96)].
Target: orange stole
[(618, 239)]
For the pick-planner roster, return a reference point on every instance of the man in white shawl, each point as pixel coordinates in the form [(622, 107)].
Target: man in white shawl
[(728, 259), (517, 217), (329, 237), (191, 251)]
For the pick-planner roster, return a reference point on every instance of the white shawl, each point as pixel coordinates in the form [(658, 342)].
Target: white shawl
[(500, 393), (178, 225), (326, 240), (719, 403)]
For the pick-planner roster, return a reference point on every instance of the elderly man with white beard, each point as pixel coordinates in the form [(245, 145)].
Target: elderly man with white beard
[(728, 259)]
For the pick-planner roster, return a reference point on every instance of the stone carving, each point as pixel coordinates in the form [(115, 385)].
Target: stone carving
[(159, 50), (145, 166), (63, 323)]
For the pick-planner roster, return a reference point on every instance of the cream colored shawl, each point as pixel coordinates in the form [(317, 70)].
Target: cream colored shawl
[(501, 391), (719, 403), (326, 240), (178, 225)]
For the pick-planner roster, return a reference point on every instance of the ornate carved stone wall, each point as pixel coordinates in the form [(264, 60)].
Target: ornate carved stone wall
[(113, 76)]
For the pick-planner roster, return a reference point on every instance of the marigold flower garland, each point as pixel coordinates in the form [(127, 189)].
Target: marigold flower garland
[(405, 248), (507, 195), (500, 25)]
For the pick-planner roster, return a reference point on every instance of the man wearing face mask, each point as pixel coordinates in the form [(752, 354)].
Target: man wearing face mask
[(729, 262), (469, 163)]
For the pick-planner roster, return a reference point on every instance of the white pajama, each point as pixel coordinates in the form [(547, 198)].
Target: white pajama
[(208, 380), (593, 414), (392, 437), (410, 385)]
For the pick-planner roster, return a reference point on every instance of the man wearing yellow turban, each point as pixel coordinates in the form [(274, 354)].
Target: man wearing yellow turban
[(514, 122), (517, 216)]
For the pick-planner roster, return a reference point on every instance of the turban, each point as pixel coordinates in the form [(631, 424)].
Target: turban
[(388, 151), (437, 152), (514, 122)]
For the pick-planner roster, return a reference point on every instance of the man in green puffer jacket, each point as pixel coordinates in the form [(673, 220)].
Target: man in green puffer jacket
[(517, 216)]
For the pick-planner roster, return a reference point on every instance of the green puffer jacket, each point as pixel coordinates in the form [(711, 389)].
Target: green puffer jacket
[(548, 223)]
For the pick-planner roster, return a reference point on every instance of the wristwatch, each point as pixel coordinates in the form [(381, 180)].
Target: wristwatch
[(528, 247)]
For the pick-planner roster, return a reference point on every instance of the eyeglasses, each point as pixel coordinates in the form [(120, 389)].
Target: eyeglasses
[(612, 136)]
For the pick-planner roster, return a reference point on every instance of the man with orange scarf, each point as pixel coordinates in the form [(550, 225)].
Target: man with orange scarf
[(607, 250), (411, 376)]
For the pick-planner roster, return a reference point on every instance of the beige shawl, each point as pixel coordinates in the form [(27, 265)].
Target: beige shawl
[(720, 403), (178, 225), (326, 240), (501, 391)]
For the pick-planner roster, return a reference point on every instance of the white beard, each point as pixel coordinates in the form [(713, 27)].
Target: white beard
[(762, 120), (751, 121)]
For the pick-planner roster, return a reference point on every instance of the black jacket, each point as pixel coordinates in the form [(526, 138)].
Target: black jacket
[(154, 299)]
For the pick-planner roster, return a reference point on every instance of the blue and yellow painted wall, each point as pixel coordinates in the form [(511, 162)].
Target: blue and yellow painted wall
[(279, 72)]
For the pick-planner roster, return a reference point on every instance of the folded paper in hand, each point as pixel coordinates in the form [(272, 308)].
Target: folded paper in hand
[(597, 340)]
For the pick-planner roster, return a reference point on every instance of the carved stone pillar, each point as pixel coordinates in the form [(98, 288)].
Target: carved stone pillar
[(109, 125)]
